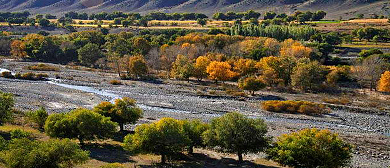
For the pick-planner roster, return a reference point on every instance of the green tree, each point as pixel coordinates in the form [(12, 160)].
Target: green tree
[(308, 76), (53, 153), (194, 130), (39, 117), (6, 105), (251, 83), (165, 137), (234, 132), (89, 54), (201, 22), (310, 148), (123, 111), (182, 68), (44, 22), (81, 124)]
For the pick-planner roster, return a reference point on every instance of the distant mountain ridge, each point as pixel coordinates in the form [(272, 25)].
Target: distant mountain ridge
[(334, 8)]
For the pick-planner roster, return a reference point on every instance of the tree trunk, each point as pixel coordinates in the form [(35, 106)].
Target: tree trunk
[(163, 158), (121, 125), (191, 150), (240, 160), (81, 141), (253, 93)]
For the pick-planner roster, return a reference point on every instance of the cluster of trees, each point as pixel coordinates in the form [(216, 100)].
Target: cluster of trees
[(232, 132), (236, 133), (14, 17), (372, 34), (250, 14)]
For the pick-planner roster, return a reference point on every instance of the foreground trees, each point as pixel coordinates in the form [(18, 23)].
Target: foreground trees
[(124, 111), (6, 105), (236, 133), (81, 124), (165, 137), (310, 148), (53, 153)]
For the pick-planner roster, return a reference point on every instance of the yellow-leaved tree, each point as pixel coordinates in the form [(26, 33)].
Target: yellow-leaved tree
[(220, 71), (200, 67), (384, 82)]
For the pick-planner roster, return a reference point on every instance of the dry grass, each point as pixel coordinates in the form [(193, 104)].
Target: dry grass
[(42, 67), (289, 106), (367, 21), (340, 101)]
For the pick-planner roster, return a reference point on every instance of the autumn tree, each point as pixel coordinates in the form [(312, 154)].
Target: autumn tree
[(137, 66), (369, 70), (307, 76), (200, 67), (251, 83), (245, 66), (384, 82), (236, 133), (311, 148), (165, 137), (279, 68), (123, 111), (18, 49), (220, 71)]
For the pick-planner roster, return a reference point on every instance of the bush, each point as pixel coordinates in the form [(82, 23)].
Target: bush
[(7, 74), (42, 67), (236, 133), (31, 76), (6, 105), (81, 124), (310, 148), (53, 153), (115, 82), (39, 117), (290, 106), (20, 134), (341, 101)]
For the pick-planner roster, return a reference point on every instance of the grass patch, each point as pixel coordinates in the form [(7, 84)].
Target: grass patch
[(340, 101), (289, 106), (325, 21), (42, 67)]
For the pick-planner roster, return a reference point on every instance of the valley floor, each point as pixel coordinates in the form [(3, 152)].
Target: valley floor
[(369, 132)]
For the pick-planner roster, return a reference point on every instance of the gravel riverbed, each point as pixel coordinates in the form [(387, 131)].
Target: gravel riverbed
[(370, 133)]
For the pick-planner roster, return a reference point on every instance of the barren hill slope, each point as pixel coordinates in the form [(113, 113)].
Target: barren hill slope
[(335, 8)]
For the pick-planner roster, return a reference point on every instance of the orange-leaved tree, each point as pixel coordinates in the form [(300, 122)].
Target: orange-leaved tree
[(384, 82), (220, 71)]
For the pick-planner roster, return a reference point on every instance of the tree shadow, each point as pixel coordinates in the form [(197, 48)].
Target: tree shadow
[(199, 160), (107, 153)]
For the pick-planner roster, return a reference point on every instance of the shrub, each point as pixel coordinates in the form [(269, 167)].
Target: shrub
[(342, 101), (28, 76), (115, 82), (39, 117), (234, 132), (19, 134), (41, 76), (290, 106), (310, 148), (7, 74), (6, 105), (31, 76), (53, 153), (123, 111), (81, 124), (165, 137), (42, 67)]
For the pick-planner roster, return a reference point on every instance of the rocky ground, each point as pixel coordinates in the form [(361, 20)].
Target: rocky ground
[(369, 132)]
